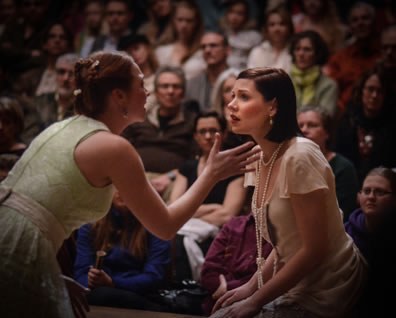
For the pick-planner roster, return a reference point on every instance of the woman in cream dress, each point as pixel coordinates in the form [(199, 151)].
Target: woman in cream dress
[(314, 269)]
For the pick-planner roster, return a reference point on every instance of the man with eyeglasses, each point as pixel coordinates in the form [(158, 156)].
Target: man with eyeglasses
[(215, 51), (165, 139)]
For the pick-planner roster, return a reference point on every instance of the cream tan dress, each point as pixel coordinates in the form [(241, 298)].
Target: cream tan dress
[(333, 287)]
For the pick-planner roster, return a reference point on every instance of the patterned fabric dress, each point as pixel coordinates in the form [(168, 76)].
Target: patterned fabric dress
[(48, 176)]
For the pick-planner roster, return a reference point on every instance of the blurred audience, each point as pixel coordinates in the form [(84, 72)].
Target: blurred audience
[(274, 50), (321, 16), (241, 32), (347, 64), (366, 133), (215, 50), (93, 27), (118, 16), (185, 50), (316, 124), (158, 28), (309, 53)]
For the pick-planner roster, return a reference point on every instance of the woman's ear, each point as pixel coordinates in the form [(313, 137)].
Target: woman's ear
[(273, 107)]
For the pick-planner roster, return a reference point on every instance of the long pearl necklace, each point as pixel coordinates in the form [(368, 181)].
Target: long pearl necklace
[(258, 212)]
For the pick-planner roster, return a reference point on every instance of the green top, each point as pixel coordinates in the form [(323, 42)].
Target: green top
[(48, 174)]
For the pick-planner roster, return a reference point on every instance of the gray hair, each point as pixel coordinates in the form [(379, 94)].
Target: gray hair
[(216, 99), (177, 70), (69, 58)]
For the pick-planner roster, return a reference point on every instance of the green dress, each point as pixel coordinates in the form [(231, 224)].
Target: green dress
[(47, 174)]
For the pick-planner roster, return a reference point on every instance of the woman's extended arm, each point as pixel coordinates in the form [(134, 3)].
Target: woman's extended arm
[(105, 158)]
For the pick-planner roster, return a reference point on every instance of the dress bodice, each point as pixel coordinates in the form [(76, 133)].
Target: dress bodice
[(48, 174)]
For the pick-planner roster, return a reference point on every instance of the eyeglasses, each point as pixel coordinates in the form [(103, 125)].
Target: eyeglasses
[(211, 131), (167, 86), (371, 89), (377, 192), (62, 71)]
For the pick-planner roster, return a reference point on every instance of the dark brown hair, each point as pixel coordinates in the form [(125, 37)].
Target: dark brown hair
[(274, 83), (97, 76)]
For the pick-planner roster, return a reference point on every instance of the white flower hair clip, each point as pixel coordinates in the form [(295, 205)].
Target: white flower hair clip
[(77, 92)]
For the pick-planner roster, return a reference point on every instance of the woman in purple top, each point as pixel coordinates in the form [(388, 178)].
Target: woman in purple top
[(377, 202)]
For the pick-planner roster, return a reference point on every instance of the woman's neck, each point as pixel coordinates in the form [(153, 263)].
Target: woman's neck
[(267, 147)]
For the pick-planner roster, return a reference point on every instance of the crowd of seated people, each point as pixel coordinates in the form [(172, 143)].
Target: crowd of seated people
[(340, 56)]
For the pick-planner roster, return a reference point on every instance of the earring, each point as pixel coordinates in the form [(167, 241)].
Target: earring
[(125, 114), (271, 121)]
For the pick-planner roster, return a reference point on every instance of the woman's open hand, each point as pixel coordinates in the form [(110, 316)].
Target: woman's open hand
[(227, 163)]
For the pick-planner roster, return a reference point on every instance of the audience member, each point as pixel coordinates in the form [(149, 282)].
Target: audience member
[(220, 98), (48, 108), (310, 53), (274, 51), (163, 140), (135, 261), (184, 51), (240, 31), (387, 62), (7, 161), (8, 14), (375, 224), (40, 80), (158, 28), (22, 37), (316, 124), (321, 16), (93, 27), (11, 127), (222, 203), (141, 50), (231, 259), (366, 132), (346, 65), (118, 16), (215, 50), (377, 200)]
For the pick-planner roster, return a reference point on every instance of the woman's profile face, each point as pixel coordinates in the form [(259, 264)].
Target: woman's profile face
[(304, 54), (277, 29), (372, 96), (184, 22), (249, 111), (205, 132), (137, 96)]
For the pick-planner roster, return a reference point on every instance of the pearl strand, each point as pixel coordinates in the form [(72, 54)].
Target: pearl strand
[(259, 211)]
